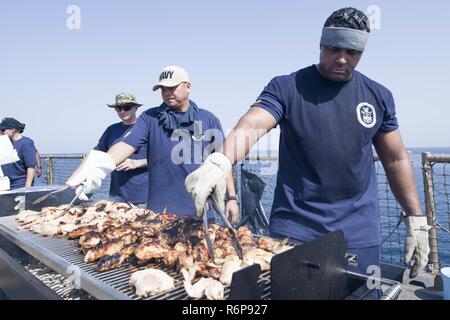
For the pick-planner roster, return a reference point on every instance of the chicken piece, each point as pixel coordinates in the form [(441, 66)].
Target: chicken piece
[(271, 245), (223, 234), (78, 232), (243, 230), (114, 232), (231, 264), (226, 247), (101, 205), (214, 290), (108, 262), (185, 262), (128, 250), (209, 270), (69, 227), (266, 243), (116, 206), (91, 239), (91, 217), (259, 256), (183, 247), (246, 241), (197, 290), (74, 211), (166, 217), (180, 248), (140, 222), (108, 248), (147, 232), (128, 239), (47, 229), (151, 249), (200, 253), (27, 216), (150, 282), (171, 257)]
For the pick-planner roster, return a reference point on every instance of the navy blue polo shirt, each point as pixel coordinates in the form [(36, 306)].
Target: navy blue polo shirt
[(172, 155), (125, 185), (326, 177), (17, 171)]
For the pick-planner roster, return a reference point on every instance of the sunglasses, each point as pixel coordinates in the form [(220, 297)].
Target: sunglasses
[(124, 108)]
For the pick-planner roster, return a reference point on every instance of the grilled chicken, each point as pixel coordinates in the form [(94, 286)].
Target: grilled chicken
[(213, 289), (78, 232), (108, 262), (27, 216), (111, 232), (200, 253), (146, 232), (151, 249), (91, 239), (231, 264), (150, 282), (128, 250), (208, 269), (103, 249), (259, 256)]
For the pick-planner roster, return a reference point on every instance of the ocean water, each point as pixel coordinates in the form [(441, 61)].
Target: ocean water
[(392, 249)]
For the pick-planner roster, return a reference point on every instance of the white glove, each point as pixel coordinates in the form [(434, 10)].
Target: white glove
[(96, 167), (210, 179), (416, 243), (7, 152)]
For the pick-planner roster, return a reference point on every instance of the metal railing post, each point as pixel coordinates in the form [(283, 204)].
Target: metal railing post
[(430, 207), (49, 170)]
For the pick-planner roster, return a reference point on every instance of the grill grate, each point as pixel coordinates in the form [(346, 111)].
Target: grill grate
[(64, 256)]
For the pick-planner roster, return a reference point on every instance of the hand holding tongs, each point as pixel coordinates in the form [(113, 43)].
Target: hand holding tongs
[(236, 244)]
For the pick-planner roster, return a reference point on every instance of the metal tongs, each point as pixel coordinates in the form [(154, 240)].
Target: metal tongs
[(209, 244), (39, 200), (236, 243), (71, 202)]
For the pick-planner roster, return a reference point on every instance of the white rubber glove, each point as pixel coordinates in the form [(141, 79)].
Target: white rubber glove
[(96, 167), (417, 247), (7, 152), (210, 179)]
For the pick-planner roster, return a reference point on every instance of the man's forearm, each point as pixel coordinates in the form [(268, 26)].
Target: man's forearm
[(120, 152), (30, 176), (250, 128), (403, 185), (231, 190)]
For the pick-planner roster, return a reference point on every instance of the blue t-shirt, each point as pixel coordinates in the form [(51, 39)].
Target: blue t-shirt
[(326, 177), (172, 155), (17, 171), (129, 185)]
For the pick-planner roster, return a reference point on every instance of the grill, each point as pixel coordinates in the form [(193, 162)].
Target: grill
[(315, 270), (64, 257)]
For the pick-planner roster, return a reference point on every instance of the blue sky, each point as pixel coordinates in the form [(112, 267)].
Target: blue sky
[(58, 81)]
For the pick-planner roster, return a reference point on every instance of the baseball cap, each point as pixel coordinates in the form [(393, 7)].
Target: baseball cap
[(10, 123), (171, 76)]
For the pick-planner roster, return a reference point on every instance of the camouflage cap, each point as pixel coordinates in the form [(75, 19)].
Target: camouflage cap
[(125, 98)]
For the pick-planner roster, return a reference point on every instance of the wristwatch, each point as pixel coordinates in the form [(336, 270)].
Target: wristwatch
[(228, 198)]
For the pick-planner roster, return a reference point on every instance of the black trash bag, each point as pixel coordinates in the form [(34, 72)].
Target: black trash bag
[(252, 212)]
